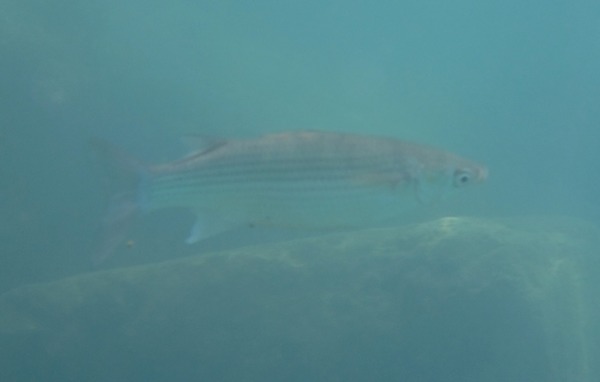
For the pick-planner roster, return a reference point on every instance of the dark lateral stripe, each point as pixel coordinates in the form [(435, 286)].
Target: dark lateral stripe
[(272, 179), (277, 171), (249, 191)]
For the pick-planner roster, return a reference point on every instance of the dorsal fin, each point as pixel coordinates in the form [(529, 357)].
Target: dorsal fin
[(199, 145)]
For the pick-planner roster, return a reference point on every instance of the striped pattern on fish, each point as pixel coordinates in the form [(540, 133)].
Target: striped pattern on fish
[(304, 179)]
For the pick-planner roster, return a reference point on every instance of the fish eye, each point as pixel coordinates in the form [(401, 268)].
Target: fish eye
[(461, 178)]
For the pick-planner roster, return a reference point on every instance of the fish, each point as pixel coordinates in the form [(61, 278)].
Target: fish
[(313, 179)]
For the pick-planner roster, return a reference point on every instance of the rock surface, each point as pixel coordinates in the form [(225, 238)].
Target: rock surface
[(454, 299)]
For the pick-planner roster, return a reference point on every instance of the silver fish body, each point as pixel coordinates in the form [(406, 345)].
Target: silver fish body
[(304, 179)]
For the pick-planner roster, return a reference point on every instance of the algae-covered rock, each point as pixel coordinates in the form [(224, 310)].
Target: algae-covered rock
[(450, 300)]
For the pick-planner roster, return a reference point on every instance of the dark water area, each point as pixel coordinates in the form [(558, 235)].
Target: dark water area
[(512, 85)]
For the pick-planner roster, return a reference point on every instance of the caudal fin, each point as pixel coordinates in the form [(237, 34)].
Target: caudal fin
[(124, 176)]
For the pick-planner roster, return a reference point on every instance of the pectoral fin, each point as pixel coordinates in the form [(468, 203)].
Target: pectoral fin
[(205, 227)]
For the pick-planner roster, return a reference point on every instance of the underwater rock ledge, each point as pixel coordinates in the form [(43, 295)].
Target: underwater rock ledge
[(452, 299)]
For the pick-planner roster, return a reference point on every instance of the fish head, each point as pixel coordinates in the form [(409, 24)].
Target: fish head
[(466, 175), (437, 181)]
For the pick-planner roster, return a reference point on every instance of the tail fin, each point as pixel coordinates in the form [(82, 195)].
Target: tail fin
[(125, 175)]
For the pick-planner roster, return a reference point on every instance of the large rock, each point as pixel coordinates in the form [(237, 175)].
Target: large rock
[(449, 300)]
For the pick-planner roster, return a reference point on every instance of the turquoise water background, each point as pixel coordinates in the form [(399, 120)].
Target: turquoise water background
[(512, 84)]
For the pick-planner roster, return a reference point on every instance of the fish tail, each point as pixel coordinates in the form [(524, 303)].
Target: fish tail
[(126, 179)]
